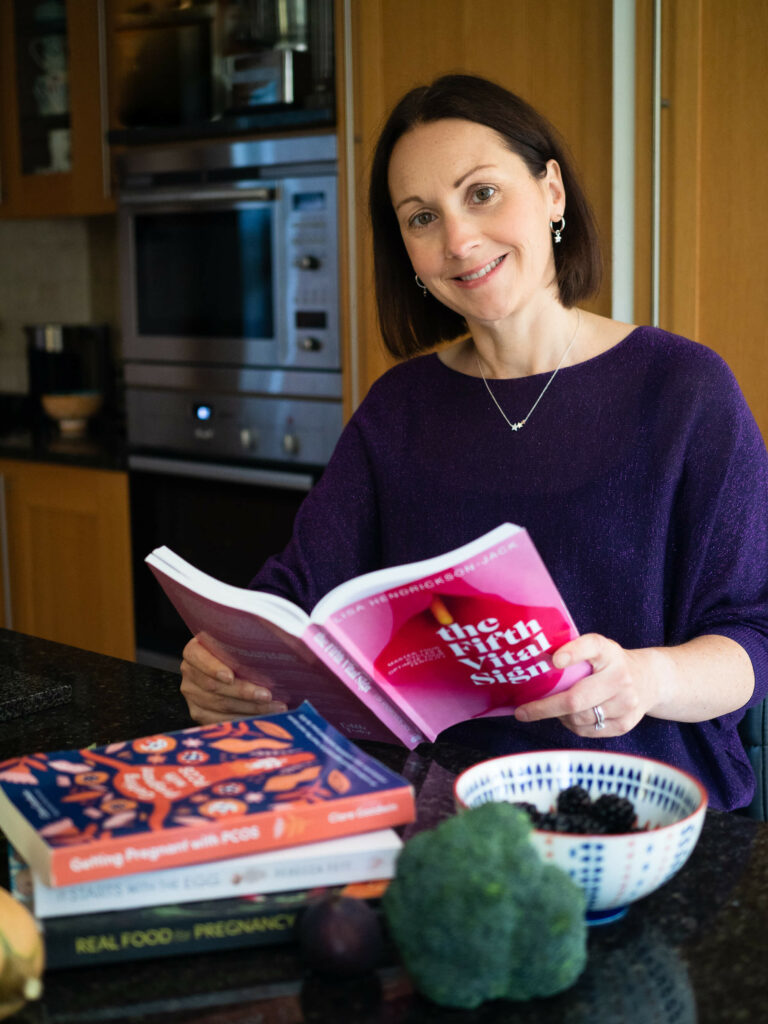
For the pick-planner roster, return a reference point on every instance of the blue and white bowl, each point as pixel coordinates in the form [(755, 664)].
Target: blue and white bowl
[(613, 870)]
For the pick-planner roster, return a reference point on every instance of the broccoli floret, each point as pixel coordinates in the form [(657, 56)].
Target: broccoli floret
[(477, 915)]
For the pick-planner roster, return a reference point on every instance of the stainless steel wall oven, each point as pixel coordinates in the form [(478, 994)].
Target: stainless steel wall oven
[(230, 324)]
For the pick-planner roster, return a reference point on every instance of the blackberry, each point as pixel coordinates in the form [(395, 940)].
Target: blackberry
[(554, 821), (546, 822), (530, 809), (574, 800), (580, 823), (616, 813), (576, 812)]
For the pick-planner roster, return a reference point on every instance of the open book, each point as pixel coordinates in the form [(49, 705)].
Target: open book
[(399, 654)]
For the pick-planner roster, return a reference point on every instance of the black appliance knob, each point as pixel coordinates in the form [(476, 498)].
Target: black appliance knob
[(308, 262), (310, 344), (291, 443)]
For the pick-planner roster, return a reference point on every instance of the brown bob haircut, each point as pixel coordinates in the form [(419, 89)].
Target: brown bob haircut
[(411, 323)]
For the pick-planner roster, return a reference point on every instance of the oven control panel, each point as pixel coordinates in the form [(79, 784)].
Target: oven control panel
[(233, 426), (311, 336)]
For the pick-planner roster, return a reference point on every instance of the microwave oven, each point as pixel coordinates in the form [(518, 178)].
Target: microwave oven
[(229, 253), (188, 69)]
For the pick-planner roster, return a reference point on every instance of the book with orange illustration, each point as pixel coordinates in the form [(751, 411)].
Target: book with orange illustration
[(193, 796), (399, 654)]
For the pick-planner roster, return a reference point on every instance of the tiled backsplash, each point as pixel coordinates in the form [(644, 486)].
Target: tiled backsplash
[(62, 270)]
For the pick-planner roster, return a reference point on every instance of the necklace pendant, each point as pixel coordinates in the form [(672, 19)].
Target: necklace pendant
[(521, 423)]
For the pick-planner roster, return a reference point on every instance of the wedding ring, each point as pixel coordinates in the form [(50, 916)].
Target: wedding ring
[(599, 717)]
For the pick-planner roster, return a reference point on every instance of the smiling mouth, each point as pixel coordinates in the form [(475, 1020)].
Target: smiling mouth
[(477, 274)]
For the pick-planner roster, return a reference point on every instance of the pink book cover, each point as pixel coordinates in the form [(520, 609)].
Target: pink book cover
[(471, 640)]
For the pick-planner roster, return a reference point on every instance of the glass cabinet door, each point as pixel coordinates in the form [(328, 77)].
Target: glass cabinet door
[(42, 81)]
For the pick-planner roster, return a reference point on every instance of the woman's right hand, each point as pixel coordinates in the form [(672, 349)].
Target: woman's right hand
[(214, 694)]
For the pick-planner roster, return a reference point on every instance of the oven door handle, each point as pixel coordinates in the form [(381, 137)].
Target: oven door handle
[(227, 474), (263, 194)]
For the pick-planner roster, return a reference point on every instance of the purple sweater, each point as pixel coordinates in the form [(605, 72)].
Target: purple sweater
[(641, 477)]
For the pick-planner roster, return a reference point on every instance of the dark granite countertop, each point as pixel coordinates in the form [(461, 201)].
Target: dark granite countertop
[(99, 450), (694, 951)]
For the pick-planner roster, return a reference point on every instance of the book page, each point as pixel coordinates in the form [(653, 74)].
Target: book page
[(283, 613)]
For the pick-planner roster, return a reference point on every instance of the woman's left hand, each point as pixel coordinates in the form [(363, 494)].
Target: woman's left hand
[(624, 685)]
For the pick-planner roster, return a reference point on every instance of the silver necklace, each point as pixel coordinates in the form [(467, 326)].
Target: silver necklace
[(521, 423)]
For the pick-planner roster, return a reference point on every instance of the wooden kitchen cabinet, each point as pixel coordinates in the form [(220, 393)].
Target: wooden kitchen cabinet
[(713, 261), (66, 555), (54, 157), (556, 55)]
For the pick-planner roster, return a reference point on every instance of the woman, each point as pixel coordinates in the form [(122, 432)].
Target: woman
[(628, 453)]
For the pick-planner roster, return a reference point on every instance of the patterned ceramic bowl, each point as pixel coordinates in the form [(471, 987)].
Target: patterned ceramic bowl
[(613, 870)]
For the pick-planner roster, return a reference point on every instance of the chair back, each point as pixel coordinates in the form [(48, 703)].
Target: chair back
[(753, 729)]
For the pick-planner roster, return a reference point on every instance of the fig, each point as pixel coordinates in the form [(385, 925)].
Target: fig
[(341, 936)]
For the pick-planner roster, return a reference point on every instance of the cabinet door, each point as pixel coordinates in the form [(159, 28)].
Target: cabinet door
[(68, 545), (714, 147), (556, 55), (53, 147)]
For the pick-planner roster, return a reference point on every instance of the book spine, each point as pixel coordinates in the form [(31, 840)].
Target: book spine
[(213, 880), (410, 716), (150, 932), (276, 829), (366, 690)]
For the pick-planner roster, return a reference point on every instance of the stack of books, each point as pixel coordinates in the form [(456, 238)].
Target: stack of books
[(207, 838)]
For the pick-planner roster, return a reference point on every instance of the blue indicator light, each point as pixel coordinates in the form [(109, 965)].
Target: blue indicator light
[(203, 412)]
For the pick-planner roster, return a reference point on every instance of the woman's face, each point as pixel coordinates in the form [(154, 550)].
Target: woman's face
[(474, 221)]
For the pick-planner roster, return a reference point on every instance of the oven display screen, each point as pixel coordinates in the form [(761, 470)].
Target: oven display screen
[(308, 202), (311, 318)]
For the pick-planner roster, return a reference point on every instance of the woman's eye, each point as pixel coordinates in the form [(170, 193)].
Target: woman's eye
[(484, 193), (420, 220)]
